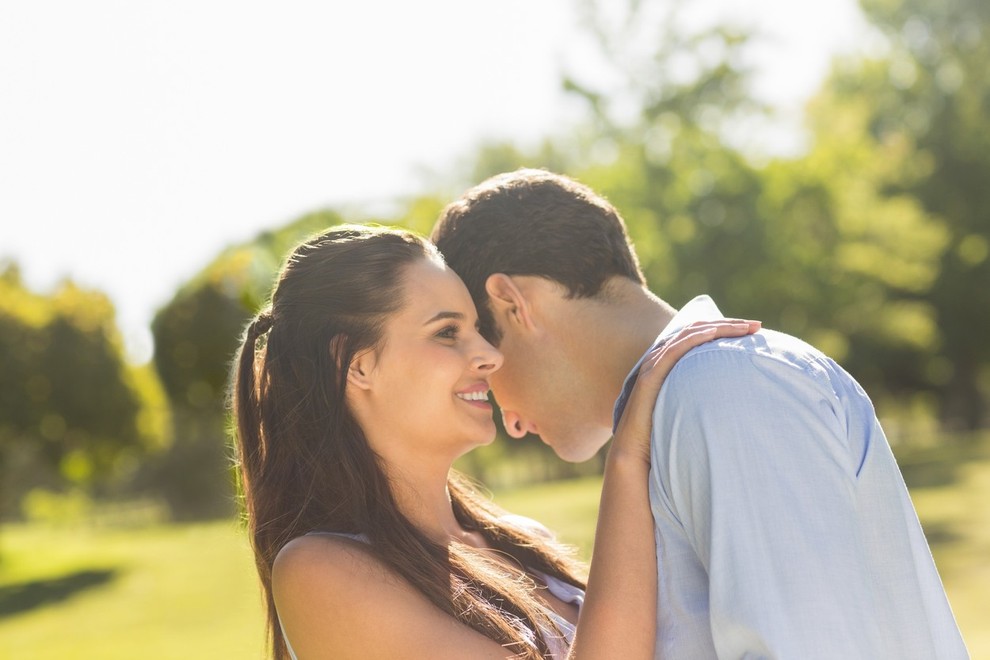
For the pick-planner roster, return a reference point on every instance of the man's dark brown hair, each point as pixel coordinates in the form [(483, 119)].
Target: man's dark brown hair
[(534, 222)]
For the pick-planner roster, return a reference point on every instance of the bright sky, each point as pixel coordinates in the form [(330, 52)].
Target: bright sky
[(138, 139)]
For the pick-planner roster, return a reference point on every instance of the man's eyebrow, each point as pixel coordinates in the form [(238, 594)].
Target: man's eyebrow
[(445, 315)]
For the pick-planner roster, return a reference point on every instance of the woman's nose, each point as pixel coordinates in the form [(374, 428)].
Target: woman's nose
[(488, 358)]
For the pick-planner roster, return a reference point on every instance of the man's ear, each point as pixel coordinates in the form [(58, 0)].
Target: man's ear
[(508, 301)]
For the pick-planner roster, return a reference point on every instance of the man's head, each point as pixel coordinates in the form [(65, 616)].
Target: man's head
[(535, 250), (534, 222)]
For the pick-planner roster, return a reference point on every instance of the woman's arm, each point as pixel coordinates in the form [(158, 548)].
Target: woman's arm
[(618, 619)]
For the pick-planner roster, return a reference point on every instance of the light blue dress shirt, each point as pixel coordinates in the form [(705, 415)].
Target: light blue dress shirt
[(783, 525)]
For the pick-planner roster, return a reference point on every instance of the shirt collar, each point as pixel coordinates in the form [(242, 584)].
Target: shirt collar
[(701, 308)]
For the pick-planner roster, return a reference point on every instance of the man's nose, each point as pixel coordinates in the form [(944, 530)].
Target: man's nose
[(513, 423)]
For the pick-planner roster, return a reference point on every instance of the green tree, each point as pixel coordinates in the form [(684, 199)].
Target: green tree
[(883, 249), (661, 150), (196, 338), (70, 403), (813, 245), (929, 97), (909, 129)]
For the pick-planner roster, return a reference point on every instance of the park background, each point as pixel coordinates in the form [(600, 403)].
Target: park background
[(825, 170)]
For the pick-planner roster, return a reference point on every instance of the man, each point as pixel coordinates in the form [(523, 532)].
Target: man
[(783, 527)]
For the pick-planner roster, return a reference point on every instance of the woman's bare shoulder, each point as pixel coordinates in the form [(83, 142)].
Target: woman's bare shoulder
[(330, 577), (336, 598), (317, 560)]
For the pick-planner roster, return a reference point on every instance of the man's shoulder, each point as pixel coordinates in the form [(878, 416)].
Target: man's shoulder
[(748, 361), (763, 345)]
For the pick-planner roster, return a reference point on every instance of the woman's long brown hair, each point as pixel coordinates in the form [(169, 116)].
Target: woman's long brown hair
[(305, 464)]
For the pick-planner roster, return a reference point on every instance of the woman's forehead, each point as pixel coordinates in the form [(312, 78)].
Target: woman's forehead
[(431, 289)]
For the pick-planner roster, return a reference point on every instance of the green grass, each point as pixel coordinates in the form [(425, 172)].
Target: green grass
[(190, 591), (950, 487), (184, 591), (569, 508)]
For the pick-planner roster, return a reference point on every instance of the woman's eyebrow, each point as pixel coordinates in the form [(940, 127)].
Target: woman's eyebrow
[(445, 315)]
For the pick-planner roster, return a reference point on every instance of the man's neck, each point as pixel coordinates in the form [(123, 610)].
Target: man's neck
[(612, 331)]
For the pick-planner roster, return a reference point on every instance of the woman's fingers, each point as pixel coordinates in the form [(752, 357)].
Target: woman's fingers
[(633, 433), (660, 361)]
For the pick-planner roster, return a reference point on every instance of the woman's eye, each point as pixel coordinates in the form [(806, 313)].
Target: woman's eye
[(450, 332)]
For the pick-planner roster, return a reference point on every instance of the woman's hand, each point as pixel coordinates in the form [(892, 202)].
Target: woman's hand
[(632, 436)]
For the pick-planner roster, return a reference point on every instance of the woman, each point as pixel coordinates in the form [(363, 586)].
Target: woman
[(353, 395)]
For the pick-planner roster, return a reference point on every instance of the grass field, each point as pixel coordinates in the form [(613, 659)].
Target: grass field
[(950, 487), (189, 591), (163, 592)]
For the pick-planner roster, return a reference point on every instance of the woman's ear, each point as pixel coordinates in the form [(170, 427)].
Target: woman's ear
[(361, 364), (509, 304), (360, 369)]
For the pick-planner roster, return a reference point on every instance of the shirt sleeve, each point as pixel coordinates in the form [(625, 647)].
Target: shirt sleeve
[(756, 463)]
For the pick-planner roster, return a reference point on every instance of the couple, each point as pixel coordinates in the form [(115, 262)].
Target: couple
[(751, 507)]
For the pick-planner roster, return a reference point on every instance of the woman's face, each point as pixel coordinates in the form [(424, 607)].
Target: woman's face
[(426, 388)]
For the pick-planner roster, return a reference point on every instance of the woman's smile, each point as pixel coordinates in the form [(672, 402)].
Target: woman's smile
[(476, 396)]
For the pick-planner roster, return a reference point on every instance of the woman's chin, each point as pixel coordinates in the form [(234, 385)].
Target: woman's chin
[(480, 439)]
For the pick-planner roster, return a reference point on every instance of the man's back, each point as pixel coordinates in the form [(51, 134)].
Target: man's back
[(783, 525)]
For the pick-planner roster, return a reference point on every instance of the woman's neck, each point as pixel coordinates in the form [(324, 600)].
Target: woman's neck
[(424, 499)]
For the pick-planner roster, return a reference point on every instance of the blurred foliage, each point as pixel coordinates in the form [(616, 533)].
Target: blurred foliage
[(71, 409), (926, 103), (196, 338)]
